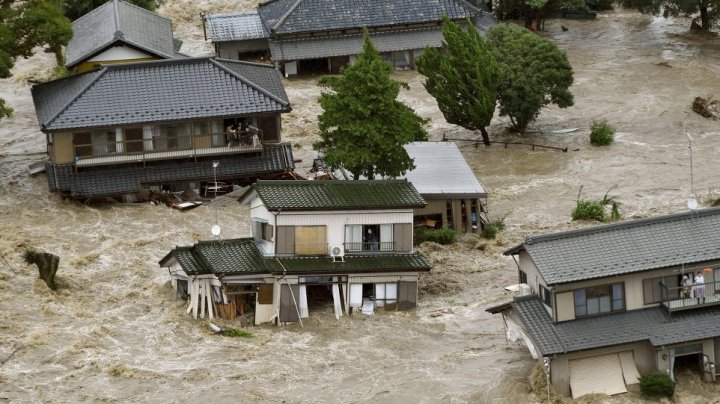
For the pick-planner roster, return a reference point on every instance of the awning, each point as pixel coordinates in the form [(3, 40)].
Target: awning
[(599, 374)]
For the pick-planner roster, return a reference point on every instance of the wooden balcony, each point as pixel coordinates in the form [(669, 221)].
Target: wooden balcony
[(163, 148), (690, 297)]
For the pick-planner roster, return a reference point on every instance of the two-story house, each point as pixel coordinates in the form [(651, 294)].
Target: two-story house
[(119, 32), (122, 128), (607, 303), (348, 244), (322, 36)]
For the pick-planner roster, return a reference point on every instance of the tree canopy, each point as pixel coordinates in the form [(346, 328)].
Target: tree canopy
[(75, 9), (709, 10), (532, 73), (363, 127), (25, 25), (462, 77)]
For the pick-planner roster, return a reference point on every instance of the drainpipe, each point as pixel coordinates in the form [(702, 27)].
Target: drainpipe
[(203, 15)]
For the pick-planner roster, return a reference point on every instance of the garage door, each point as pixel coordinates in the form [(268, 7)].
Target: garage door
[(599, 374)]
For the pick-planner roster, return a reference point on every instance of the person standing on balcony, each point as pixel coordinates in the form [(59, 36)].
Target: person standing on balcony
[(372, 240), (699, 287), (686, 283)]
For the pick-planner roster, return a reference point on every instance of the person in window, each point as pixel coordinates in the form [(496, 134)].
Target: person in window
[(372, 240)]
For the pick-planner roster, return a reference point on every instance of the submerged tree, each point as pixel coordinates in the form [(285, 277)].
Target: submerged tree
[(47, 265), (363, 127), (75, 9), (25, 25), (462, 77), (709, 10), (532, 73)]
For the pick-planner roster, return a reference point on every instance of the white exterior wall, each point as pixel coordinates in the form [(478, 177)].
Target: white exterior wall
[(259, 211), (120, 53), (336, 220)]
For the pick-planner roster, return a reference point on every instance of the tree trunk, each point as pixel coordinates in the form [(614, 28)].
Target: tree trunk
[(704, 17), (485, 136)]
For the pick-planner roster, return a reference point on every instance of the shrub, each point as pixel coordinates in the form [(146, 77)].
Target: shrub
[(443, 236), (236, 332), (657, 384), (493, 228), (601, 133), (595, 209)]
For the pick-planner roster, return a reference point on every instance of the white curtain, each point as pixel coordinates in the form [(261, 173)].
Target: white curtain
[(303, 305), (353, 235), (218, 136), (147, 138), (119, 147), (386, 236)]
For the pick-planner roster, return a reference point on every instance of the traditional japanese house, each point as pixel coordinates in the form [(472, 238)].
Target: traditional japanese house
[(123, 128), (119, 32), (348, 244), (606, 304), (324, 35)]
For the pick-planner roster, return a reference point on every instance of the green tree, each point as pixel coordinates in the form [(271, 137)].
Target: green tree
[(532, 73), (363, 127), (462, 77), (709, 10), (25, 25), (75, 9)]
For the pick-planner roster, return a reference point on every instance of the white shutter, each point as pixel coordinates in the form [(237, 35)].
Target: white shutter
[(598, 374)]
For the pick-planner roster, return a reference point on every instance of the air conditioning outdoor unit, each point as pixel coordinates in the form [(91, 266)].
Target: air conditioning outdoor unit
[(337, 252), (525, 289)]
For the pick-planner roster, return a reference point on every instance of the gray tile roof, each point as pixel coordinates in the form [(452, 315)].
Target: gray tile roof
[(119, 21), (159, 91), (336, 195), (649, 325), (351, 44), (241, 256), (441, 171), (129, 178), (626, 247), (295, 16), (235, 27)]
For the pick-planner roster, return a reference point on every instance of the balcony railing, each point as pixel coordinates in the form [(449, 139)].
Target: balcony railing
[(689, 297), (369, 247), (164, 147)]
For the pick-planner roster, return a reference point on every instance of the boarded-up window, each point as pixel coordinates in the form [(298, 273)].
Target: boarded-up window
[(403, 236), (310, 240), (288, 303), (285, 242), (265, 293), (407, 295)]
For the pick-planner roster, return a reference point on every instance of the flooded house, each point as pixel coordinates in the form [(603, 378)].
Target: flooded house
[(162, 125), (322, 36), (119, 32), (345, 246), (603, 305)]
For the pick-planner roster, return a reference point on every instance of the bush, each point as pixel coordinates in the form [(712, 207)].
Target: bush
[(588, 210), (442, 236), (235, 332), (601, 134), (493, 228), (657, 384)]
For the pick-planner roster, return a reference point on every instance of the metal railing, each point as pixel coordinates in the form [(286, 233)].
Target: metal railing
[(373, 246), (164, 147), (686, 297)]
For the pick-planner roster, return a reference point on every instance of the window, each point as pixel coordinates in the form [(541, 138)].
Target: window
[(523, 277), (262, 230), (369, 237), (173, 137), (545, 295), (599, 299), (103, 142), (653, 290)]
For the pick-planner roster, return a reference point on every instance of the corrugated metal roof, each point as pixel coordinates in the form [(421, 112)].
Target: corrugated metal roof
[(351, 44), (650, 325), (119, 21), (159, 91), (441, 171), (235, 26), (295, 16), (626, 247), (336, 195), (241, 256)]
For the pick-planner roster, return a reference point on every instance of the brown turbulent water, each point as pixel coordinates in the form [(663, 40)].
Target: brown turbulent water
[(113, 331)]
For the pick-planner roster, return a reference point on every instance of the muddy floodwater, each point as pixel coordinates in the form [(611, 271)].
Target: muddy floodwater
[(114, 332)]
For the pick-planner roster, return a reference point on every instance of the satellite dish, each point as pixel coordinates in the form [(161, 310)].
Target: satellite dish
[(215, 230), (692, 203)]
